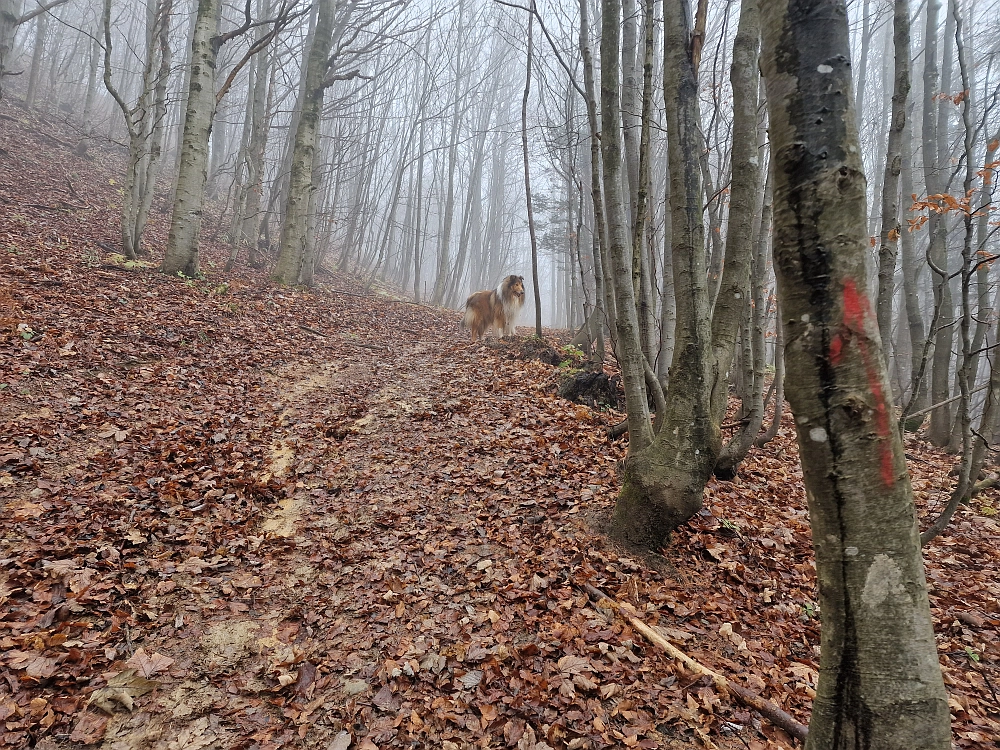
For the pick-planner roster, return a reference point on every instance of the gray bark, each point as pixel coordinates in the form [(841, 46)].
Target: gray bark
[(185, 225), (629, 348), (10, 14), (36, 59), (880, 683), (602, 271), (664, 482), (296, 259), (910, 265), (889, 233), (940, 428), (444, 265), (527, 181)]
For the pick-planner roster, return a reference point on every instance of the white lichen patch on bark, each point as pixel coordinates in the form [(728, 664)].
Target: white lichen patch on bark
[(882, 582)]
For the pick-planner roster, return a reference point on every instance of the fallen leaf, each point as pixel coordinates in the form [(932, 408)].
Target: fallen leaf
[(89, 728), (34, 664), (122, 689), (148, 665)]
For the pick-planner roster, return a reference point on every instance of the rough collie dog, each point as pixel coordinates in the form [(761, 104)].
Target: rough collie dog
[(495, 309)]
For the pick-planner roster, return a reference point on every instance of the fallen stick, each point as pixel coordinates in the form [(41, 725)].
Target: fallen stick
[(313, 330), (748, 698)]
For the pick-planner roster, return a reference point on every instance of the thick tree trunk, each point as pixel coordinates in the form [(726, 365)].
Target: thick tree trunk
[(185, 225), (880, 683), (296, 261), (889, 234), (664, 483)]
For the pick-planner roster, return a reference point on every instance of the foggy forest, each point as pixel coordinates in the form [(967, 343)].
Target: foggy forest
[(529, 374)]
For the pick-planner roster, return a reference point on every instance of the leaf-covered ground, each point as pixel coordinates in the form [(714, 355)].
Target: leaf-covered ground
[(241, 516)]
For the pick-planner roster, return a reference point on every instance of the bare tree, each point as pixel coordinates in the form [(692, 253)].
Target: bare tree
[(872, 589)]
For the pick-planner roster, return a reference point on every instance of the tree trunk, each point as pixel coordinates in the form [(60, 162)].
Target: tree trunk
[(93, 64), (889, 234), (604, 291), (910, 264), (156, 119), (185, 225), (940, 429), (664, 482), (296, 261), (880, 683), (964, 374), (627, 323), (734, 288), (36, 59), (778, 384), (668, 302), (444, 265), (640, 207), (10, 14), (527, 180), (736, 450)]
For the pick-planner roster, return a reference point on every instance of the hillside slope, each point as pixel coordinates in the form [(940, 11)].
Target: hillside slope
[(236, 515)]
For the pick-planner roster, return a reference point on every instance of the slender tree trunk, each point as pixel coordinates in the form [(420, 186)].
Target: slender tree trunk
[(889, 234), (527, 180), (91, 96), (668, 302), (296, 260), (982, 205), (911, 288), (185, 225), (866, 38), (602, 273), (640, 205), (964, 373), (736, 450), (444, 265), (36, 59), (733, 293), (629, 346), (156, 125), (940, 429), (778, 384), (880, 683)]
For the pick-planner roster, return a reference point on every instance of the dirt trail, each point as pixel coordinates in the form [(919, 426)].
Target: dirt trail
[(371, 556)]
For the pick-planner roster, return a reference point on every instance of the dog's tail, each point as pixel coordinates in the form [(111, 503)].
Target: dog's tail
[(469, 317)]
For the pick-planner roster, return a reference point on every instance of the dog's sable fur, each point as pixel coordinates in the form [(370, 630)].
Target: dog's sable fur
[(495, 309)]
